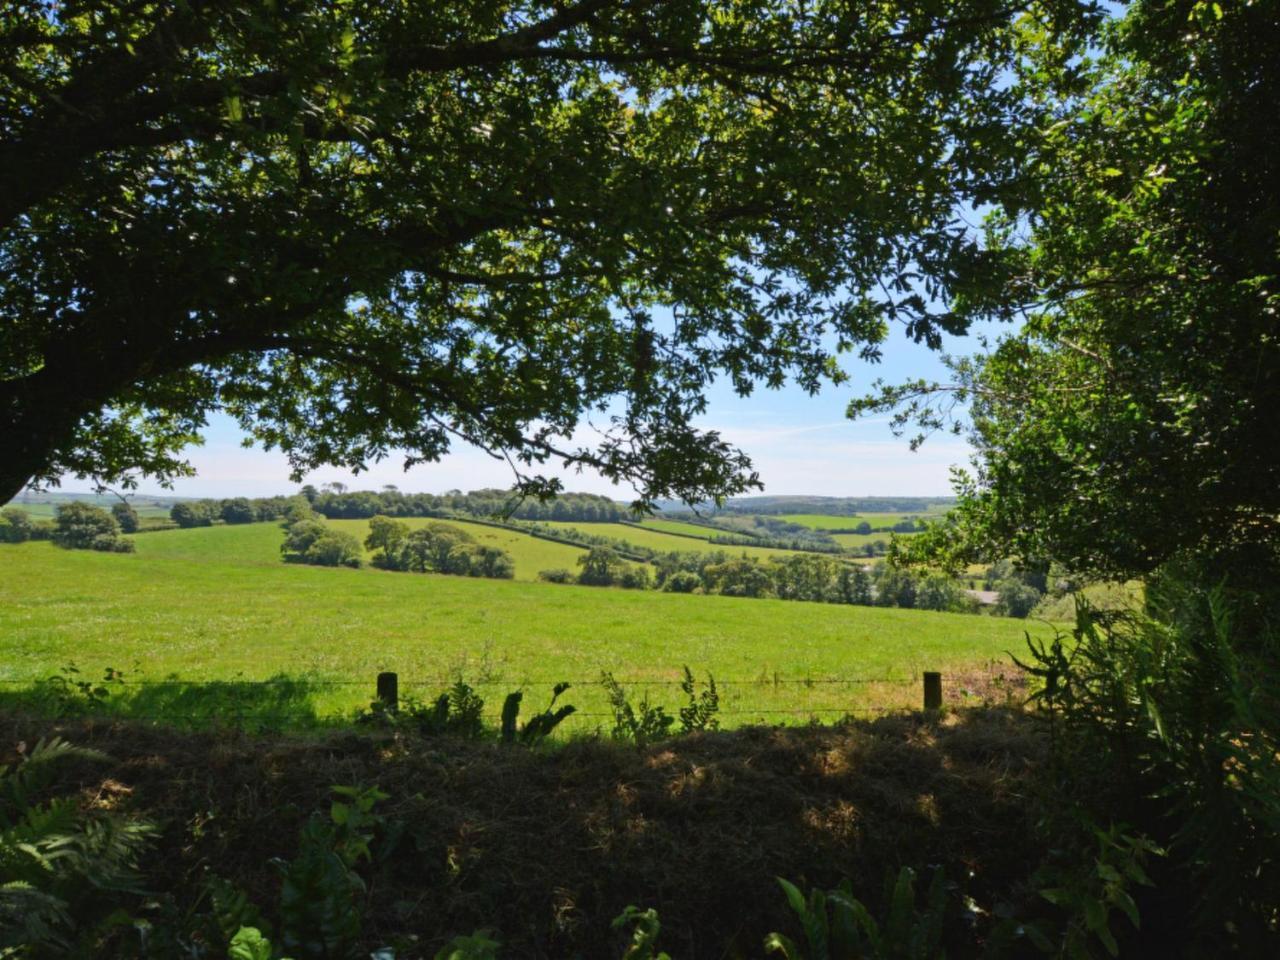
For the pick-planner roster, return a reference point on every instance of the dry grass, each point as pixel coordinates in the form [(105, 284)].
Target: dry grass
[(547, 846)]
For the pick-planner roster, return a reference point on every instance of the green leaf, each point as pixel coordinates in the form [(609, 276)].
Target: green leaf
[(249, 944)]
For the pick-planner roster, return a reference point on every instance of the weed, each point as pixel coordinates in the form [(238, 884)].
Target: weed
[(642, 723), (540, 725), (839, 927), (703, 706)]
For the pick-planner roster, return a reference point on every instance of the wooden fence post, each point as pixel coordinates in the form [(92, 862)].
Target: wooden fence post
[(389, 691), (932, 691)]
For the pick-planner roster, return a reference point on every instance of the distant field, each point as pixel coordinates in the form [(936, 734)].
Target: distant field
[(677, 526), (529, 553), (657, 540), (822, 521), (42, 510), (852, 541), (217, 604)]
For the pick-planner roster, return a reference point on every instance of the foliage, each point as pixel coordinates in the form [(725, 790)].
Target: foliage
[(557, 576), (65, 872), (384, 539), (839, 927), (125, 516), (538, 727), (1180, 708), (437, 548), (641, 723), (301, 220), (238, 510), (1088, 887), (79, 526), (15, 525), (700, 712), (311, 541), (1129, 422), (1017, 598), (191, 513), (601, 567), (475, 946), (644, 933), (320, 910)]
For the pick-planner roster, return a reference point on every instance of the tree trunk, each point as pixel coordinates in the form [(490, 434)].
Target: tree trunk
[(38, 418)]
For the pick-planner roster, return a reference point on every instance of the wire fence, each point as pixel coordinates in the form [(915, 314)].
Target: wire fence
[(282, 701)]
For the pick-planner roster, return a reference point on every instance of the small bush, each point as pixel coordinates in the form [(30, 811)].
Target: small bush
[(559, 575), (81, 526), (15, 525)]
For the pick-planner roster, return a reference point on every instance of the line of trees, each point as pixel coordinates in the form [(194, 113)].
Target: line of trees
[(435, 548), (810, 577), (337, 502), (75, 526)]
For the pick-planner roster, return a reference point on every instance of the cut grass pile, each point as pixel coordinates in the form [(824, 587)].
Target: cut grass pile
[(217, 604), (545, 847)]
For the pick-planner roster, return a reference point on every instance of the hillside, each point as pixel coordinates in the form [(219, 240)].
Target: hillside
[(217, 603)]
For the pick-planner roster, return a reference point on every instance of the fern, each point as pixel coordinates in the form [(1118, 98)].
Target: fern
[(64, 871)]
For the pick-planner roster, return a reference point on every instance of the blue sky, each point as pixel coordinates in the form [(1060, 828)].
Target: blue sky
[(800, 445)]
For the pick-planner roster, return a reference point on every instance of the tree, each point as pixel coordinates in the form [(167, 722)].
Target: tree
[(1016, 598), (384, 539), (238, 510), (601, 567), (1131, 422), (190, 513), (366, 227), (82, 526), (15, 525), (126, 516)]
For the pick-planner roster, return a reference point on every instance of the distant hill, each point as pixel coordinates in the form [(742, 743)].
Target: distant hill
[(831, 506)]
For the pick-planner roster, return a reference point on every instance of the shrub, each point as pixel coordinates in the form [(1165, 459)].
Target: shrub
[(559, 575), (1182, 706), (15, 525), (682, 581), (385, 536), (81, 526), (1017, 599), (239, 510), (334, 548), (641, 723), (126, 516), (601, 567), (635, 578), (191, 513)]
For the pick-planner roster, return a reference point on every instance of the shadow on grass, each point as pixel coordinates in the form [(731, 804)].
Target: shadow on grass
[(279, 703)]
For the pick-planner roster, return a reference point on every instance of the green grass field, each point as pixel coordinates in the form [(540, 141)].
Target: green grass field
[(43, 511), (657, 540), (529, 553), (678, 526), (822, 521), (216, 604)]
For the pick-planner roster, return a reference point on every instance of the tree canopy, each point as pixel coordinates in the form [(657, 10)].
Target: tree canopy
[(1132, 420), (367, 226)]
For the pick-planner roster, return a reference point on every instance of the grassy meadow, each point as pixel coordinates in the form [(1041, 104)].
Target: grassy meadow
[(217, 604), (658, 540), (823, 521)]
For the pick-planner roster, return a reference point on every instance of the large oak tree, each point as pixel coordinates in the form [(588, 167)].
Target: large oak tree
[(370, 225)]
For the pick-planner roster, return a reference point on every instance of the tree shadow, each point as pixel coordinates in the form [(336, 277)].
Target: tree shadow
[(279, 702)]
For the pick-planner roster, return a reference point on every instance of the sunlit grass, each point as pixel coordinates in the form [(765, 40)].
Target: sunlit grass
[(218, 604)]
